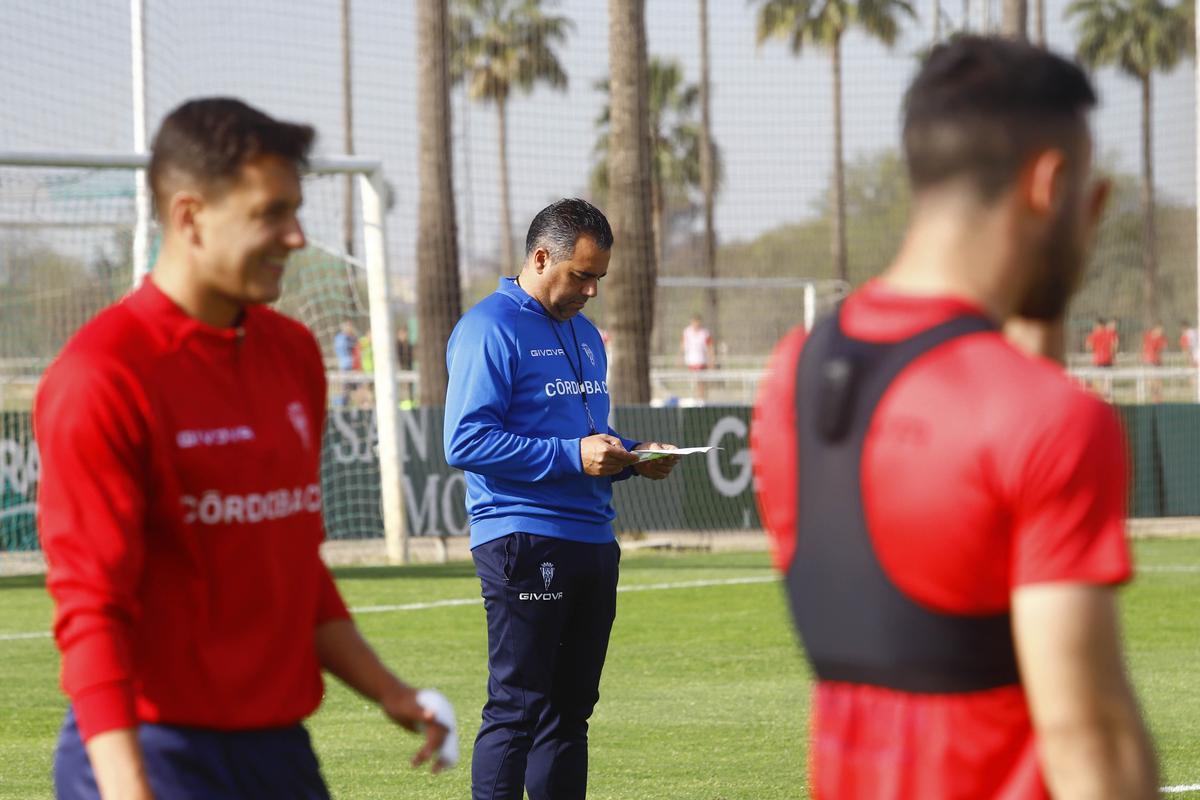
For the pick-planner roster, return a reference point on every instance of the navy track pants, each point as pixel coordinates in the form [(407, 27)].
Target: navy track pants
[(201, 764), (550, 607)]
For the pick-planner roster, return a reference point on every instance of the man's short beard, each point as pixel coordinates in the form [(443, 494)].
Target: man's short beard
[(1057, 278)]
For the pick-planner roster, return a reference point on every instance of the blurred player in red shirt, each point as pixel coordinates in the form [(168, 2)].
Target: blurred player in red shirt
[(1188, 340), (1103, 342), (949, 510), (1154, 342), (180, 503)]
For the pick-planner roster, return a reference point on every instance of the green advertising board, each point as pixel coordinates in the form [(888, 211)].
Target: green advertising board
[(708, 492)]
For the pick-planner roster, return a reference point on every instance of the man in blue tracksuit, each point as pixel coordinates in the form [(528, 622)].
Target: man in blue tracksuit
[(527, 419)]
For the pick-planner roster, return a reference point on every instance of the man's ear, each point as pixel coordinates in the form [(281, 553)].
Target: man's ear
[(541, 259), (183, 208), (1043, 181)]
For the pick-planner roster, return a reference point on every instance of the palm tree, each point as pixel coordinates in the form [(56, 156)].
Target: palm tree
[(1139, 38), (1014, 21), (633, 267), (502, 46), (823, 24), (675, 145), (438, 294)]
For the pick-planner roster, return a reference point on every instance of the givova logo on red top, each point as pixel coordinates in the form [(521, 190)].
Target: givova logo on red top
[(214, 437), (214, 508)]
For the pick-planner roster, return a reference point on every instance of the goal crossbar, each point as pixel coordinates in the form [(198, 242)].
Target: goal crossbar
[(323, 165)]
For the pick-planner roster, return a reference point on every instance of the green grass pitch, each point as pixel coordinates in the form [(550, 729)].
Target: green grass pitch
[(704, 694)]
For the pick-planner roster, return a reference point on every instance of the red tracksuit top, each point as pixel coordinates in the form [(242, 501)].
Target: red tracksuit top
[(180, 514)]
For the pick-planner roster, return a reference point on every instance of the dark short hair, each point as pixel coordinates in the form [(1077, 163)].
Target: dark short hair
[(980, 106), (209, 139), (559, 225)]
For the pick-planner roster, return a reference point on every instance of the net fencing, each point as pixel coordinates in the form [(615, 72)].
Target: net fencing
[(66, 236), (515, 146)]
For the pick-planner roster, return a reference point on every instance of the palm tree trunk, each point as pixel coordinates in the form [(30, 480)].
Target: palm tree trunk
[(708, 181), (658, 218), (439, 299), (506, 241), (1149, 254), (633, 268), (1039, 22), (658, 222), (838, 231), (1015, 22)]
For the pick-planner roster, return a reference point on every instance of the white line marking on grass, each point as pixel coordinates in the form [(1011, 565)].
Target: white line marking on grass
[(636, 587), (13, 637), (1168, 568), (475, 601), (648, 587), (1191, 787), (469, 601)]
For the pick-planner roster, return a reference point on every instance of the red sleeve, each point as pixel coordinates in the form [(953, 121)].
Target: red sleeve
[(1069, 523), (91, 508), (773, 448)]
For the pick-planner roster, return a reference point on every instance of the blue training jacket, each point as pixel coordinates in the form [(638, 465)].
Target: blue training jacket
[(515, 415)]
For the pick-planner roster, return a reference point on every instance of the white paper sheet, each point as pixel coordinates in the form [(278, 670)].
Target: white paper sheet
[(648, 454)]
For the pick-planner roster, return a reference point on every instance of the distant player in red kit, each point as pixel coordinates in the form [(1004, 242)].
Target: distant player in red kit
[(1103, 342), (949, 510), (1154, 342), (180, 501), (1189, 341)]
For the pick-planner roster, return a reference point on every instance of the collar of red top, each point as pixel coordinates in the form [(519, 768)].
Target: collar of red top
[(149, 302), (879, 313)]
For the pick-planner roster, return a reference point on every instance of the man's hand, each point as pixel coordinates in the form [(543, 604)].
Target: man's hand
[(400, 704), (656, 468), (602, 454), (343, 652)]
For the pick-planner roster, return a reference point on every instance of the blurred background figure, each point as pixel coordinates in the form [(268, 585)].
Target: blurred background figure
[(346, 352), (1103, 342), (696, 346), (1154, 342), (1188, 341), (405, 353)]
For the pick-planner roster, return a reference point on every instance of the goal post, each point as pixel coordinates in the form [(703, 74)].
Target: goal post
[(68, 227)]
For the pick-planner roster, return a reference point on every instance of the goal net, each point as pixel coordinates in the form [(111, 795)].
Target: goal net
[(743, 319), (67, 228)]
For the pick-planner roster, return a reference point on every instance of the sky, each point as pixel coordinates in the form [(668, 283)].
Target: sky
[(65, 85)]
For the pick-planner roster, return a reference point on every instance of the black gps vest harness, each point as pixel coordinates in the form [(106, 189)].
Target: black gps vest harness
[(857, 626)]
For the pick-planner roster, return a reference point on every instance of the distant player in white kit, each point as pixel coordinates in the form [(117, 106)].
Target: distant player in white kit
[(697, 348)]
